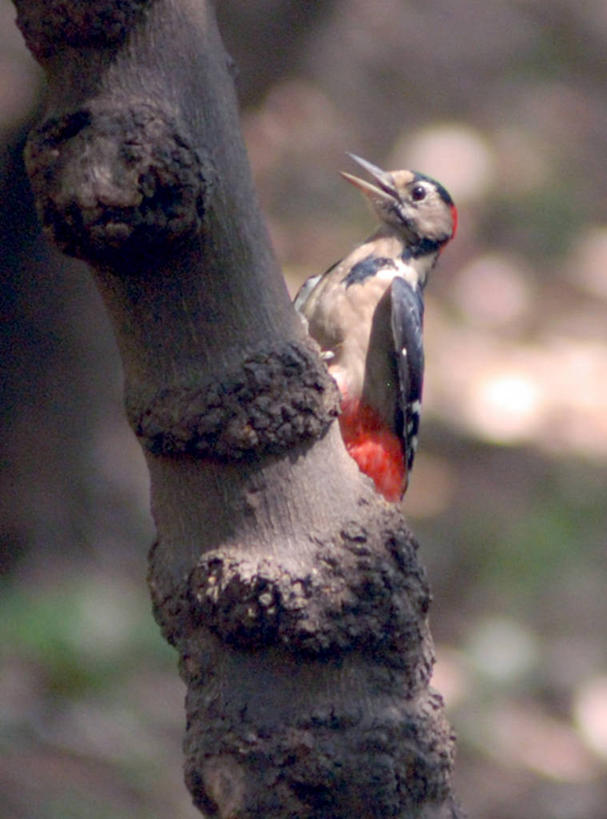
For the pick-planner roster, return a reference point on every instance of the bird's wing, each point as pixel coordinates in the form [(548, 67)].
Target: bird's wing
[(304, 291), (407, 321), (308, 286)]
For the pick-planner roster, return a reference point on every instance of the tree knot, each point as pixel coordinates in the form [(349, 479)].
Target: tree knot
[(365, 593), (114, 185), (46, 25), (273, 401)]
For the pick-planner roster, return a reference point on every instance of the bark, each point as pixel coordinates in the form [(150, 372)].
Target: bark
[(292, 593)]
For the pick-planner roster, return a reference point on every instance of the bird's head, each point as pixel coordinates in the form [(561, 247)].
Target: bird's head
[(413, 205)]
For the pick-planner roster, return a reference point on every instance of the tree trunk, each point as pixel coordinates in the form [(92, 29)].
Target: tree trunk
[(290, 590)]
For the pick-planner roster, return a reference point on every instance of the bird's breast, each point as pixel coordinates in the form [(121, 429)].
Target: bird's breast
[(363, 364)]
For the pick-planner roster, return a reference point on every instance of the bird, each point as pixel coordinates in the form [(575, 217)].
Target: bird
[(366, 314)]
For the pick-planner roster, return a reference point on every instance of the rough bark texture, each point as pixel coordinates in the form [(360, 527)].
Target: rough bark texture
[(292, 593)]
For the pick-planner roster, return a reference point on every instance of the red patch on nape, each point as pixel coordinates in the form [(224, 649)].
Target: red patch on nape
[(454, 219), (376, 449)]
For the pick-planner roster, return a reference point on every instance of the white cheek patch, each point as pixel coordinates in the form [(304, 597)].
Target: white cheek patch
[(435, 224)]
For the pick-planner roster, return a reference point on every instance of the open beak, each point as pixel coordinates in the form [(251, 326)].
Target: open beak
[(383, 190)]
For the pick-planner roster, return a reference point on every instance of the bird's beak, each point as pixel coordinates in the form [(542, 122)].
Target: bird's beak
[(383, 190)]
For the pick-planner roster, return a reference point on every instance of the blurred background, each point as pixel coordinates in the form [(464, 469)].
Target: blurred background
[(506, 104)]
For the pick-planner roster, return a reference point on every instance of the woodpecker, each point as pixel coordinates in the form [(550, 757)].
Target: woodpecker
[(366, 313)]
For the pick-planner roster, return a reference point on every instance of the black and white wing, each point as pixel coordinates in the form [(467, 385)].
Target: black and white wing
[(407, 325)]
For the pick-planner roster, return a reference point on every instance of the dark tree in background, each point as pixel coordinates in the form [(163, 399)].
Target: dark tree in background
[(291, 592)]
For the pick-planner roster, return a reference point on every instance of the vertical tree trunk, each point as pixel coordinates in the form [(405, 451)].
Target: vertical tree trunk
[(290, 590)]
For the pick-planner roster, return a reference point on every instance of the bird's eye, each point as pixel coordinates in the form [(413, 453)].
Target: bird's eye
[(418, 193)]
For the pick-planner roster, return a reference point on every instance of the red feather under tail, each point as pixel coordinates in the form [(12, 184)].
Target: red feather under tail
[(376, 449)]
